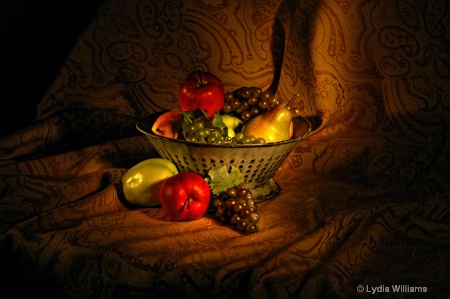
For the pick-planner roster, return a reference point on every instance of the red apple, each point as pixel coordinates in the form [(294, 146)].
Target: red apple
[(185, 196), (201, 90)]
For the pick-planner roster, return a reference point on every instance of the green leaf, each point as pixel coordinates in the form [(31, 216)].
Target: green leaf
[(218, 123), (195, 114), (221, 179)]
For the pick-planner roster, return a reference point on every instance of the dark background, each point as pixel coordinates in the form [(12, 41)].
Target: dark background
[(35, 38)]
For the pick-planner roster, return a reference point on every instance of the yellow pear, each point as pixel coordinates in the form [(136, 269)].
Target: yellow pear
[(273, 125)]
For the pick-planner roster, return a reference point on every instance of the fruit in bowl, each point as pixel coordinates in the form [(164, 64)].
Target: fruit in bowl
[(252, 117)]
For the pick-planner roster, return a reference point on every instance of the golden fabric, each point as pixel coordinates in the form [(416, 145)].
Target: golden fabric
[(365, 198)]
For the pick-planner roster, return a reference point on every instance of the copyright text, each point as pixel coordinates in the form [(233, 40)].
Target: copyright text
[(395, 288)]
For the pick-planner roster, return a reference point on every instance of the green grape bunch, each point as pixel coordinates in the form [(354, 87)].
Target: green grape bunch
[(197, 127)]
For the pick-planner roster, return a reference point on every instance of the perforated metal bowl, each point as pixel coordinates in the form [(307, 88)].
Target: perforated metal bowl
[(257, 162)]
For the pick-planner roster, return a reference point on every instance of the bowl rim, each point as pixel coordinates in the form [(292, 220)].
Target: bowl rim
[(142, 127)]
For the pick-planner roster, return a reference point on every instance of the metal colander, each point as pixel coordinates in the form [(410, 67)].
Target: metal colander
[(258, 163)]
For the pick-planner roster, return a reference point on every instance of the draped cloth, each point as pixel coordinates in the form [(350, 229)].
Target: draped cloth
[(364, 205)]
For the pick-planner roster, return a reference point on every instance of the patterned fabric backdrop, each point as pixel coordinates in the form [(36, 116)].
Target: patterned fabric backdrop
[(364, 208)]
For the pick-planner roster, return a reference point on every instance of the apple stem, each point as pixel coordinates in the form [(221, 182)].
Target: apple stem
[(187, 203), (200, 77)]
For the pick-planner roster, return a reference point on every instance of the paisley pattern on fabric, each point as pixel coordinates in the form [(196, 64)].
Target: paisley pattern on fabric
[(365, 198)]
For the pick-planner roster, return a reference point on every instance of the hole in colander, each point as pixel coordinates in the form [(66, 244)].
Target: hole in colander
[(270, 171), (252, 161), (261, 172), (176, 158)]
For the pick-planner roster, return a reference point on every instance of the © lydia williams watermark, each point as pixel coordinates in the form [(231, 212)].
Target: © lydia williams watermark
[(395, 288)]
